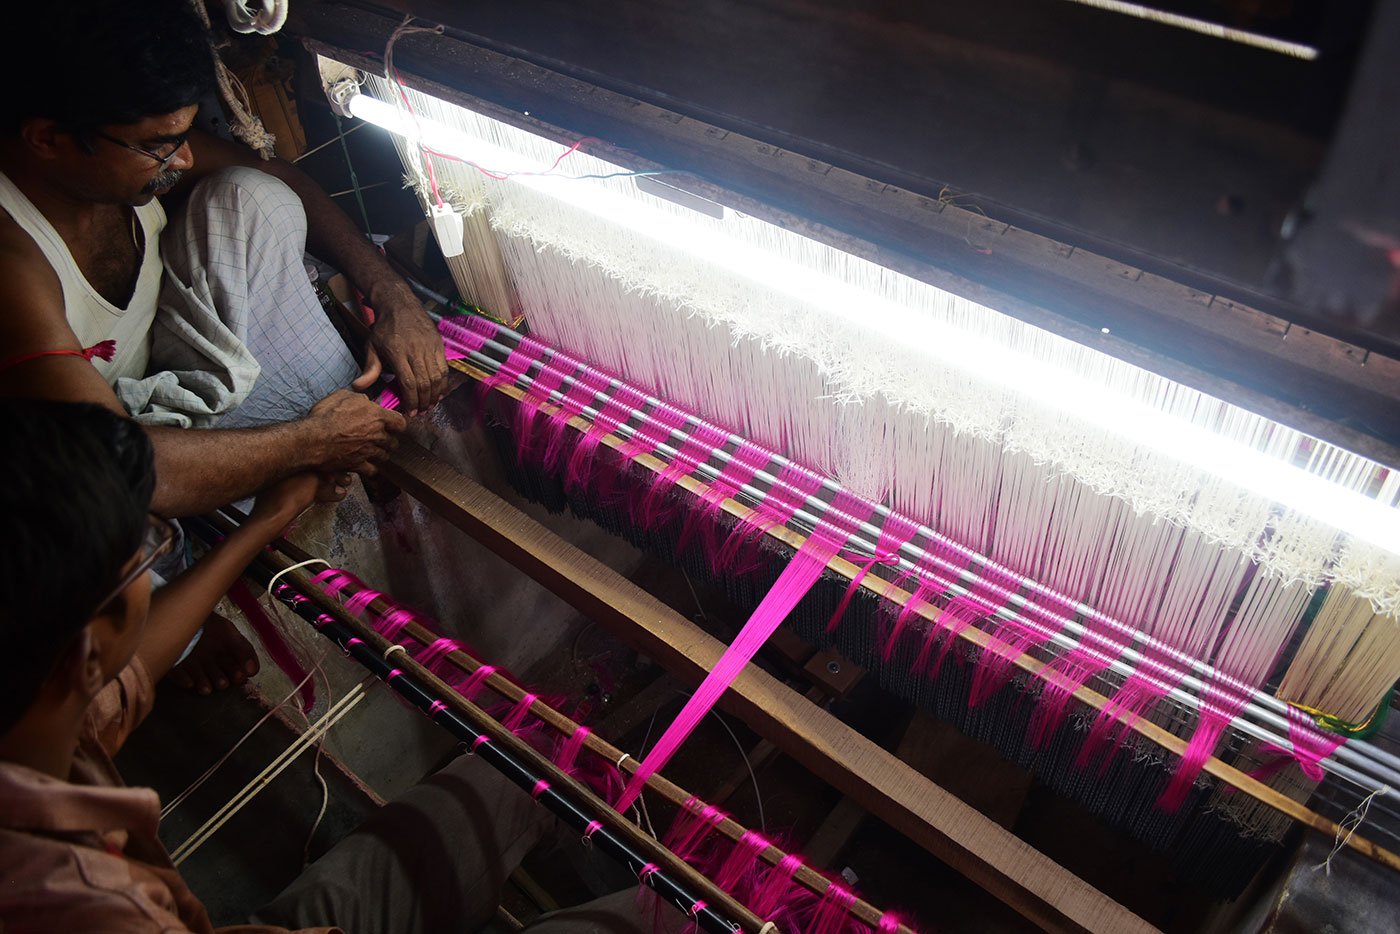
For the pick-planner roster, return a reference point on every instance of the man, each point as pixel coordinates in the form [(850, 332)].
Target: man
[(237, 346), (84, 638)]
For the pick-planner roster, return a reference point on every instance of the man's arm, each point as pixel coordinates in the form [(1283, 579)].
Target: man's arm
[(403, 334), (179, 608), (196, 470)]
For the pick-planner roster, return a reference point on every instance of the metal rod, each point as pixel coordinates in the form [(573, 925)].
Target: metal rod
[(1259, 704)]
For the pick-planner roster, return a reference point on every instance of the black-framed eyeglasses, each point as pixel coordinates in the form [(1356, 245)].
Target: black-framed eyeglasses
[(159, 536), (163, 161)]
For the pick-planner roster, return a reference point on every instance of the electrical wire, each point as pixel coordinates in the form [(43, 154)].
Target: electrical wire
[(753, 777), (391, 74)]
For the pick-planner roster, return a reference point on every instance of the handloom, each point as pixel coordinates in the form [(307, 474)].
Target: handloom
[(444, 681), (1141, 591)]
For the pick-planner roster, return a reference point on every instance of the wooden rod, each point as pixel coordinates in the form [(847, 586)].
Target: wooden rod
[(808, 877), (988, 854), (880, 587), (482, 722)]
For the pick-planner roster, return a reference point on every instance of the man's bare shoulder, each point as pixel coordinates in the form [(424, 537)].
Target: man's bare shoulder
[(32, 315)]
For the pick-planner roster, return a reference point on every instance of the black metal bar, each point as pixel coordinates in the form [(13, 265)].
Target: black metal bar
[(406, 686)]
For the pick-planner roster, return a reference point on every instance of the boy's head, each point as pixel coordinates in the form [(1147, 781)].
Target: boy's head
[(75, 494), (117, 89)]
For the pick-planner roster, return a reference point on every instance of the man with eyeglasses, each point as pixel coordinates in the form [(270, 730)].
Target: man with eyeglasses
[(203, 327)]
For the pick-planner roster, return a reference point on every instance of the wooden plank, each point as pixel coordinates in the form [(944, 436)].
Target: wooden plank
[(957, 834), (835, 833)]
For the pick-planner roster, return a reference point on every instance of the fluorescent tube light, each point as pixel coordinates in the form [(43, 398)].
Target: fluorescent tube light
[(1357, 515)]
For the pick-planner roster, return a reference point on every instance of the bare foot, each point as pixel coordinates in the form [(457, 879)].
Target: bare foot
[(220, 658)]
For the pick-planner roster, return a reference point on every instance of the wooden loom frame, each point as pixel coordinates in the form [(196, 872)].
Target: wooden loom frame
[(640, 619), (1055, 899)]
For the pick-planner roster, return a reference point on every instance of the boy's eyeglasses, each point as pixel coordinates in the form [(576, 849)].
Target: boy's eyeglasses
[(160, 535)]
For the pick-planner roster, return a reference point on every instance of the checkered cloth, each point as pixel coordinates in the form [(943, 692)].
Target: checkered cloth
[(240, 338)]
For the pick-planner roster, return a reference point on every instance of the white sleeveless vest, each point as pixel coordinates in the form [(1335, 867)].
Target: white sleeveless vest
[(92, 317)]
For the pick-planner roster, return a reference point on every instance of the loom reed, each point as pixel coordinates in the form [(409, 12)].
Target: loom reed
[(1122, 659)]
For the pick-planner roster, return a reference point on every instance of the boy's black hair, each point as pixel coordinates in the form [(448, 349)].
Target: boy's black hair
[(105, 62), (75, 492)]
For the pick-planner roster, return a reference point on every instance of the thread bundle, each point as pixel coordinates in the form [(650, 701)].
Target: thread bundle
[(961, 588), (771, 892)]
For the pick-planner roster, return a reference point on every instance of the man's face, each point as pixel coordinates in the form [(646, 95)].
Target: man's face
[(131, 163)]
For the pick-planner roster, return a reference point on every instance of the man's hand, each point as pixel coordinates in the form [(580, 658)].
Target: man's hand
[(349, 432), (281, 503), (411, 347)]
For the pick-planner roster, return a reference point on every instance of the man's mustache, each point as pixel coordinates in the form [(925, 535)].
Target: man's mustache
[(163, 180)]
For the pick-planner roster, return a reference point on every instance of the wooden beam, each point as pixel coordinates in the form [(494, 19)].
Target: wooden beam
[(1022, 877)]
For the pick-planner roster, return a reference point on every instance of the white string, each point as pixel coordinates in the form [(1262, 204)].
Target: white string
[(267, 594), (208, 773), (245, 125), (1348, 827), (265, 777)]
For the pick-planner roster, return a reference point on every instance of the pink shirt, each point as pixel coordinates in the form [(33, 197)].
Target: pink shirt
[(83, 855)]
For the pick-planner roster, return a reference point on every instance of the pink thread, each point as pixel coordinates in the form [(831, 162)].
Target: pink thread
[(540, 788), (788, 494), (927, 584), (393, 673), (737, 872), (773, 890), (546, 381), (1310, 747), (388, 399), (392, 624), (436, 652), (833, 910), (1217, 710), (480, 741), (519, 712), (473, 682), (1151, 681), (866, 564), (592, 828), (511, 369), (694, 450), (646, 872), (889, 923), (462, 336), (796, 579), (570, 749), (1064, 675), (691, 828), (360, 601), (612, 411), (352, 641), (436, 707), (271, 638), (698, 907)]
